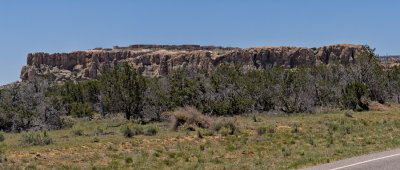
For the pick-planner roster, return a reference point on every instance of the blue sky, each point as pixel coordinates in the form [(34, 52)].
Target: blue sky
[(67, 25)]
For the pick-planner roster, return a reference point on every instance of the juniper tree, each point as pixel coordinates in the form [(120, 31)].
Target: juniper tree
[(123, 89)]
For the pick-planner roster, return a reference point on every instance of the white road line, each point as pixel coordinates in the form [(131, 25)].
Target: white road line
[(365, 161)]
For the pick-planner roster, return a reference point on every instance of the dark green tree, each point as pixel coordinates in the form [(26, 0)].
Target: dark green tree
[(123, 90), (394, 83), (367, 70), (81, 110), (156, 99), (352, 96), (184, 89)]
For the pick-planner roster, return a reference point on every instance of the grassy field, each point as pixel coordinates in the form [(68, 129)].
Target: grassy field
[(262, 142)]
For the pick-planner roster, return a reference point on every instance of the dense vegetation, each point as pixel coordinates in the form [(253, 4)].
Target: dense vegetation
[(226, 90)]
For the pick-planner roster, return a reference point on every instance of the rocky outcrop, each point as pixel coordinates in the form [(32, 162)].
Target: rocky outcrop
[(155, 60)]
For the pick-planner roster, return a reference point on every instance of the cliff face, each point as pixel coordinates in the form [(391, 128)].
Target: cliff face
[(155, 60)]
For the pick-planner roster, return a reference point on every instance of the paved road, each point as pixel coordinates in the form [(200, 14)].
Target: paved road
[(388, 160)]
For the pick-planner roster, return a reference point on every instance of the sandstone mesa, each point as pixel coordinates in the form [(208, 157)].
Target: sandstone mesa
[(156, 60)]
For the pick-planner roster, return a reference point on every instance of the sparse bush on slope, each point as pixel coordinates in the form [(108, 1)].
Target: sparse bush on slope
[(131, 130), (225, 126), (151, 131), (190, 118), (26, 106), (36, 138)]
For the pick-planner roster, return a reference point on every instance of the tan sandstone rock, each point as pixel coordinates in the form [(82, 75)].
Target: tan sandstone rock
[(156, 60)]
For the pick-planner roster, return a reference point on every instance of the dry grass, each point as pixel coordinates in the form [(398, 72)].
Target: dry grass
[(375, 106), (282, 142), (188, 118)]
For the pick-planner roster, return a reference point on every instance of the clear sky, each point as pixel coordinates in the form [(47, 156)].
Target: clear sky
[(67, 25)]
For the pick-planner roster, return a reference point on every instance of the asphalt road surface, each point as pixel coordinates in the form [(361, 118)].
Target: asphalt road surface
[(388, 160)]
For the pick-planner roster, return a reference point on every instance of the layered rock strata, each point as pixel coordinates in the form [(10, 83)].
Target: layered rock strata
[(156, 60)]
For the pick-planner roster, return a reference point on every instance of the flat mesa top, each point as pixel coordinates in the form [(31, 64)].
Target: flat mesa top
[(144, 48)]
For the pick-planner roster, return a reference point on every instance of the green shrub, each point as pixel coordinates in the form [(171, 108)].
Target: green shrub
[(310, 141), (329, 140), (3, 148), (78, 132), (208, 132), (224, 131), (96, 140), (286, 152), (99, 131), (359, 108), (348, 114), (66, 124), (81, 110), (296, 128), (332, 126), (217, 126), (151, 131), (132, 130), (128, 160), (235, 105), (222, 107), (271, 129), (2, 138), (137, 130), (199, 135), (261, 130), (36, 138), (255, 118), (127, 131), (347, 128), (202, 147), (231, 126), (226, 127), (352, 95), (114, 164)]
